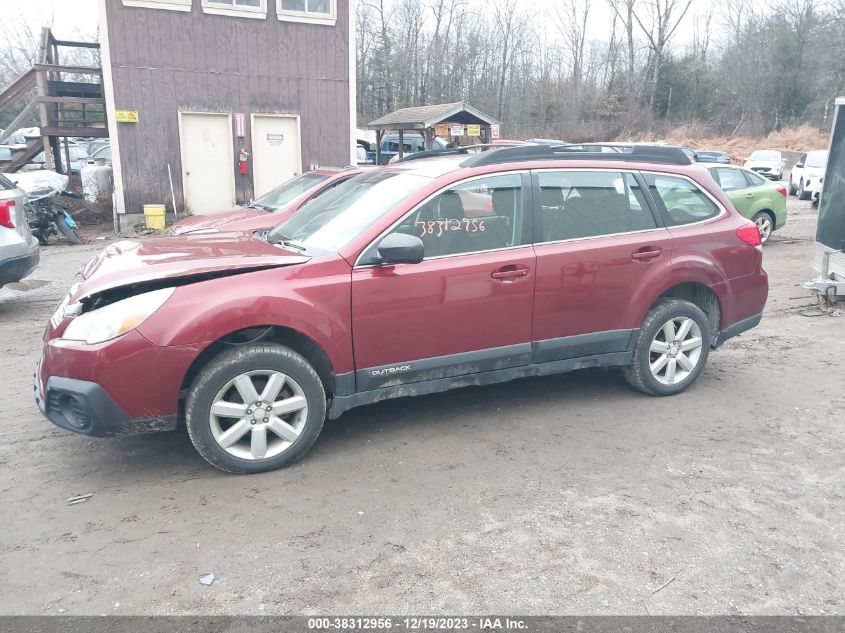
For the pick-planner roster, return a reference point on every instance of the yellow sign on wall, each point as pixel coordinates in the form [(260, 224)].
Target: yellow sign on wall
[(126, 116), (473, 130)]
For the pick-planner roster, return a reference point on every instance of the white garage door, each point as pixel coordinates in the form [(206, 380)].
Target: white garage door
[(208, 168), (277, 153)]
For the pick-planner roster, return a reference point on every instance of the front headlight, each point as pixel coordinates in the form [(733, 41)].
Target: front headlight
[(116, 318)]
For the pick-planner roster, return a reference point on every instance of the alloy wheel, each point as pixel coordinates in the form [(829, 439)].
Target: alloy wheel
[(675, 350), (258, 414), (764, 223)]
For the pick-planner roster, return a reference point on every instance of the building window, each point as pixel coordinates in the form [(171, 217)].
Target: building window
[(309, 11), (242, 8), (172, 5)]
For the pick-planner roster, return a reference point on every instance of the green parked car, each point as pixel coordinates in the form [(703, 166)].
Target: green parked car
[(758, 199)]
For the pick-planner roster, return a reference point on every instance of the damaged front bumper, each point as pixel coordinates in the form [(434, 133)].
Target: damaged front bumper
[(85, 407)]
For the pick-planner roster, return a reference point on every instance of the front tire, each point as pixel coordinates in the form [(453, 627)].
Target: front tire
[(792, 189), (71, 233), (255, 408), (671, 348), (802, 194)]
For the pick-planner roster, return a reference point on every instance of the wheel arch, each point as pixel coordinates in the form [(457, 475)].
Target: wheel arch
[(699, 294), (289, 337), (768, 211)]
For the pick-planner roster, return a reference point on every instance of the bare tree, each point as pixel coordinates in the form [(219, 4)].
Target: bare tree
[(664, 17), (572, 18), (550, 74)]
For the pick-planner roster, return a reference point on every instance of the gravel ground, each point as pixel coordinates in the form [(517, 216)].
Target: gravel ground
[(558, 495)]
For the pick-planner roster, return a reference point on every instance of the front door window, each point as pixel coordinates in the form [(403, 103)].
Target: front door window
[(484, 214)]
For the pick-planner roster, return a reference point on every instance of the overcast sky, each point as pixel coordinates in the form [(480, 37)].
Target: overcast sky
[(69, 18)]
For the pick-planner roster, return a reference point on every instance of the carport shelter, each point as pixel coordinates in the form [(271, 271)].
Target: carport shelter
[(423, 119)]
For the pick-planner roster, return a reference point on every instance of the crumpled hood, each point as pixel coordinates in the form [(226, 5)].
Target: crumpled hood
[(204, 222), (131, 262)]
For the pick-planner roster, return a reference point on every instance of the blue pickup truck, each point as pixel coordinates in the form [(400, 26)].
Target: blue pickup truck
[(390, 146)]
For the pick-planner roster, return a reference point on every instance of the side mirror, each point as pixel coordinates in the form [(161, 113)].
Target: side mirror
[(401, 248), (799, 165)]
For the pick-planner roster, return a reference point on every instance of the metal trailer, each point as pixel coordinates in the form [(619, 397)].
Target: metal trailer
[(829, 249)]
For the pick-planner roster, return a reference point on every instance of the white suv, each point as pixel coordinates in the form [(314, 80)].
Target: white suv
[(766, 162), (805, 179)]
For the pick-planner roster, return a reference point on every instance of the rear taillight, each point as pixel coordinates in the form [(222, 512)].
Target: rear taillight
[(7, 213), (782, 191), (750, 234)]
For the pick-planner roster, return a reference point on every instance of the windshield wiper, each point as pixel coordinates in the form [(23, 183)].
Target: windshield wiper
[(284, 240), (260, 207)]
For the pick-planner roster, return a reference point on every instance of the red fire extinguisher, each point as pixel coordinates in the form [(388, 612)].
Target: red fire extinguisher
[(243, 161)]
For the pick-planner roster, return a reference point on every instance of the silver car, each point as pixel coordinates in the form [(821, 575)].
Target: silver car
[(18, 246)]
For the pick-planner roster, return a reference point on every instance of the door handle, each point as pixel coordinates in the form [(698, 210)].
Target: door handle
[(509, 272), (646, 254)]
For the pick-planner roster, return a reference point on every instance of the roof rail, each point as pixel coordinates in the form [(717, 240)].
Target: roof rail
[(617, 152), (452, 151), (432, 153)]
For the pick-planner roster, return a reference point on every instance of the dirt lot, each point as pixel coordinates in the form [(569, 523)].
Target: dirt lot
[(570, 494)]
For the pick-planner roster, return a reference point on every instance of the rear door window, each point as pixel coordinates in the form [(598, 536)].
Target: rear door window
[(679, 200), (731, 179), (579, 204), (753, 179)]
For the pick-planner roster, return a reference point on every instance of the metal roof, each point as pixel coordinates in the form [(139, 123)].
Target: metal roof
[(423, 117)]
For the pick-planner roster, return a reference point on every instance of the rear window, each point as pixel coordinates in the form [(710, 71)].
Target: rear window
[(680, 200)]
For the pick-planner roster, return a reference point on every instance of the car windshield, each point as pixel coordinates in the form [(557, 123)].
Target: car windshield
[(285, 193), (765, 154), (816, 159), (334, 219)]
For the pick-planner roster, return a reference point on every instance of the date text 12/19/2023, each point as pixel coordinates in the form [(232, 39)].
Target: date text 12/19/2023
[(418, 623)]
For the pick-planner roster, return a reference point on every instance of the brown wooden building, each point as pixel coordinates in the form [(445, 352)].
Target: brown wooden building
[(192, 83)]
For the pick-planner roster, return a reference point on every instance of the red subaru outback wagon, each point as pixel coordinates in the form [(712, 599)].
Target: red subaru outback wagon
[(411, 279)]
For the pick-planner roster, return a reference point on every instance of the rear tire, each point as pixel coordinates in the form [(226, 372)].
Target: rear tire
[(71, 234), (269, 429), (668, 361), (766, 225)]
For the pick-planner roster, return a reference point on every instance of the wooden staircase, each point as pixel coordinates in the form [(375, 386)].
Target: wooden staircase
[(66, 100)]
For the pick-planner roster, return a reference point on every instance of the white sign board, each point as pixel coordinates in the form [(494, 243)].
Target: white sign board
[(494, 131), (456, 129)]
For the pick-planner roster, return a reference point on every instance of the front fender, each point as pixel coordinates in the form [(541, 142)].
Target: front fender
[(313, 299)]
